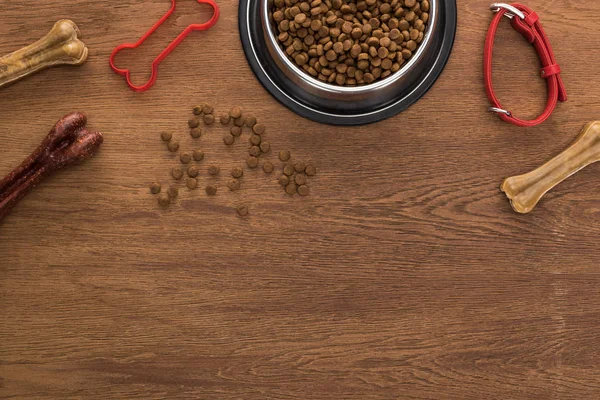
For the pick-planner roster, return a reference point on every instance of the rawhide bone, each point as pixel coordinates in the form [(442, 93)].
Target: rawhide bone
[(60, 46), (67, 143), (524, 191)]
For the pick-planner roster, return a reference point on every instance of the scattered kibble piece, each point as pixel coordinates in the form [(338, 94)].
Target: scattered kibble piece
[(254, 140), (193, 122), (191, 183), (236, 130), (303, 190), (291, 188), (237, 172), (300, 179), (177, 173), (310, 170), (284, 155), (211, 190), (250, 121), (299, 166), (259, 129), (207, 109), (228, 139), (155, 188), (242, 210), (265, 147), (166, 136), (239, 121), (284, 180), (208, 119), (164, 200), (198, 110), (213, 170), (235, 112), (195, 133), (268, 167), (252, 162), (198, 155), (233, 184), (225, 118), (254, 151), (288, 170), (185, 158), (173, 146), (173, 191), (193, 171)]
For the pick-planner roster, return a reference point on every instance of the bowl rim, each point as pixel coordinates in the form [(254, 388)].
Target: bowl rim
[(267, 23)]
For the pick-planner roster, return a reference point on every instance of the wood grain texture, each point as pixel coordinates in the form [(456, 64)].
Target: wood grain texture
[(404, 275)]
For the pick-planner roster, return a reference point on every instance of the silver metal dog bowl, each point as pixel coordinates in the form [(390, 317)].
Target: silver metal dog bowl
[(343, 105)]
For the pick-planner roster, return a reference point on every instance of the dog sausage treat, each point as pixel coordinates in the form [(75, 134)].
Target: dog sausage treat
[(69, 142), (60, 46), (525, 191)]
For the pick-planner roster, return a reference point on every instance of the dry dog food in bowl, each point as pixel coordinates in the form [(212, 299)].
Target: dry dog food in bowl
[(348, 42)]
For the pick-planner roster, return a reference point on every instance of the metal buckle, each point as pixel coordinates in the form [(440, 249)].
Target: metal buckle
[(511, 11), (500, 111)]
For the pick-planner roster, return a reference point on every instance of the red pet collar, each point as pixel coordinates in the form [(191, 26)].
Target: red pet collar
[(526, 22)]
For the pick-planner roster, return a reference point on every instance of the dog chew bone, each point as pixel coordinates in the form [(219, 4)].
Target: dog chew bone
[(67, 143), (525, 191), (60, 46)]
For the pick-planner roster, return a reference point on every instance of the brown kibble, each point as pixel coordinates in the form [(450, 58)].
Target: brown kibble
[(235, 112), (193, 122), (252, 162), (207, 109), (211, 190), (195, 133), (173, 191), (191, 183), (237, 172), (291, 188), (228, 139), (299, 166), (213, 170), (197, 110), (284, 155), (236, 130), (209, 119), (225, 119), (185, 158), (300, 179), (177, 173), (166, 136), (198, 155), (284, 180), (268, 167), (155, 188), (164, 200), (233, 184), (265, 147), (250, 121), (173, 146), (303, 190), (239, 121), (242, 210), (254, 140), (254, 151), (288, 169), (193, 171), (259, 129)]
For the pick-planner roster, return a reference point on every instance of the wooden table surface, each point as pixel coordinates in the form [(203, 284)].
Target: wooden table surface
[(405, 273)]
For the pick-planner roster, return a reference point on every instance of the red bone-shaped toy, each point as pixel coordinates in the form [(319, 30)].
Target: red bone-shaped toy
[(165, 52)]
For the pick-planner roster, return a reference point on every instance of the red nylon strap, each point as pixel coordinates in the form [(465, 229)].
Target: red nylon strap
[(531, 29)]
